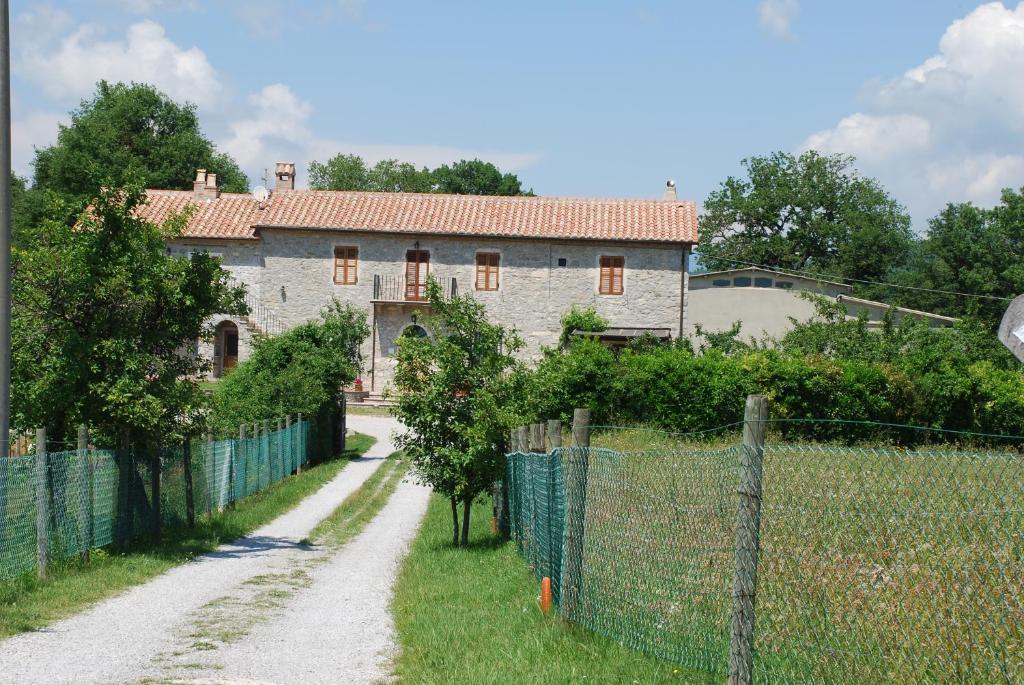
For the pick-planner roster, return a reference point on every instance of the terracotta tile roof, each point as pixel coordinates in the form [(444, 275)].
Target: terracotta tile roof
[(238, 216)]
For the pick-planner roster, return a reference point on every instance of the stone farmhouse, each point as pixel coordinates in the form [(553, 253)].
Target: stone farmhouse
[(765, 301), (528, 259)]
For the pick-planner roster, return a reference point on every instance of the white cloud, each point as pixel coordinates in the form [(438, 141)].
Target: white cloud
[(950, 129), (777, 17), (150, 6), (35, 129), (874, 138), (277, 129), (69, 69)]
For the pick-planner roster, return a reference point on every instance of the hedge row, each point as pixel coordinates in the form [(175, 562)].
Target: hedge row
[(674, 389)]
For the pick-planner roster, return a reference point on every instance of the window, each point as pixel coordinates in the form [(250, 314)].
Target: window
[(562, 261), (610, 282), (487, 270), (721, 282), (741, 282), (345, 259), (762, 282), (417, 266), (785, 285)]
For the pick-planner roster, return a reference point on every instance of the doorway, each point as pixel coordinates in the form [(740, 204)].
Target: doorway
[(417, 266), (226, 348)]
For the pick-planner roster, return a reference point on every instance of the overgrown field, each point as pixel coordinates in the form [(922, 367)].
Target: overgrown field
[(875, 564)]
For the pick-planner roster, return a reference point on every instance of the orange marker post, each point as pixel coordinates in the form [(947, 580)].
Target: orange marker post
[(494, 526), (545, 595)]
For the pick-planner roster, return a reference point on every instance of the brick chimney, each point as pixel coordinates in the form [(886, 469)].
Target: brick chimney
[(285, 173), (205, 185), (670, 192)]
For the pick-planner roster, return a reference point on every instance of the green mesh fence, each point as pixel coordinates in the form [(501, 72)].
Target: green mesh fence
[(872, 564), (97, 497)]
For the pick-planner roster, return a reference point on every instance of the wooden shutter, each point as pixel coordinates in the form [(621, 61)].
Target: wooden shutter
[(417, 265), (345, 261), (487, 270), (611, 278)]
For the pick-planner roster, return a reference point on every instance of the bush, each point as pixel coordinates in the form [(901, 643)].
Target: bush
[(302, 370), (578, 319)]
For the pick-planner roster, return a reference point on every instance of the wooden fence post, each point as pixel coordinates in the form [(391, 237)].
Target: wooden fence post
[(190, 497), (537, 437), (554, 433), (343, 424), (42, 505), (85, 508), (748, 529), (577, 462)]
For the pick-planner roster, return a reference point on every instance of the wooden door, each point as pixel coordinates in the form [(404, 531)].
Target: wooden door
[(230, 349), (417, 266)]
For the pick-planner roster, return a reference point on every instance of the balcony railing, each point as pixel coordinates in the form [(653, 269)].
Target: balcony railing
[(399, 289)]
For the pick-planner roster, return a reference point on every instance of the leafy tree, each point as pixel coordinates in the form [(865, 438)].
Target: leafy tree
[(813, 212), (580, 319), (102, 319), (350, 172), (302, 370), (726, 342), (456, 392), (131, 133), (969, 250), (475, 177)]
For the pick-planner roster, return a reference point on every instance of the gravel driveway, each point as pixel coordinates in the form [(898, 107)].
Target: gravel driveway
[(263, 609)]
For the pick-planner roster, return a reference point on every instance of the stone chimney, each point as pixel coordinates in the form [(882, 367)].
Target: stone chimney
[(205, 185), (285, 173), (670, 192)]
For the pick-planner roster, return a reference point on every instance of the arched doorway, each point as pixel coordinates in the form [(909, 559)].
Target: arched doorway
[(225, 352), (414, 331)]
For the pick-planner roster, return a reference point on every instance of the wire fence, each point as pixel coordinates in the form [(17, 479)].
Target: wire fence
[(827, 563), (58, 505)]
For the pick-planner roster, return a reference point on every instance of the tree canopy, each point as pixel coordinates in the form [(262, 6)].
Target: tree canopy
[(467, 177), (101, 315), (810, 212), (455, 391), (131, 133), (969, 250)]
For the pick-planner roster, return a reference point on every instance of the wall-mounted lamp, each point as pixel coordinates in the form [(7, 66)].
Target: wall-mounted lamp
[(284, 295), (414, 315), (416, 245)]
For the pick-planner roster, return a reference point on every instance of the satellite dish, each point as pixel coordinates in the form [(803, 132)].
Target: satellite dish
[(1011, 330), (260, 194)]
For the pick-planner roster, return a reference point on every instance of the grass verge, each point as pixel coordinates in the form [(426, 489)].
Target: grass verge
[(359, 508), (359, 410), (473, 616), (28, 603)]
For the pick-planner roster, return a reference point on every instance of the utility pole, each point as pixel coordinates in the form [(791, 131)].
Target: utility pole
[(5, 227)]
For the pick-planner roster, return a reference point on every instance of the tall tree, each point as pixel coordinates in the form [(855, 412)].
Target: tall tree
[(454, 394), (813, 212), (131, 132), (101, 315), (475, 177), (969, 250)]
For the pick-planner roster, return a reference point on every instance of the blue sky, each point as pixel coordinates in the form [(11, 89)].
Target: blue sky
[(579, 98)]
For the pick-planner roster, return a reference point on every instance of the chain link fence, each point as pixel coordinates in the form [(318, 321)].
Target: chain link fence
[(815, 563), (79, 500)]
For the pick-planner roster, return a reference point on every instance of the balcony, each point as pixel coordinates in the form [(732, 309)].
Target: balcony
[(398, 290)]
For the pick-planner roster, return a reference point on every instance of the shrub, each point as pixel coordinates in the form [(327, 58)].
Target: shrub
[(302, 370), (579, 319)]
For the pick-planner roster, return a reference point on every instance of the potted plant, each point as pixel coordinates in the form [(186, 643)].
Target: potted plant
[(359, 385)]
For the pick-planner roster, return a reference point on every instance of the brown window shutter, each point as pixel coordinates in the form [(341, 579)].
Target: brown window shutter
[(345, 259), (487, 270), (611, 277)]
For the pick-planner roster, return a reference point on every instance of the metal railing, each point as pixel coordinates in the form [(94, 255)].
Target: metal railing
[(400, 289), (262, 317)]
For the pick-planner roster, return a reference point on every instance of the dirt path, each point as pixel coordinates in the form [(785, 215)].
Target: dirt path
[(262, 609)]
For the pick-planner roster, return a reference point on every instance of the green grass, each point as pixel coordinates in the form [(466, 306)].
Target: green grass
[(473, 616), (359, 410), (27, 603)]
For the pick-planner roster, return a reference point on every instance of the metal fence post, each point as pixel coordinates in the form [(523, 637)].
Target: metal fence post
[(265, 438), (258, 454), (280, 450), (289, 442), (210, 471), (42, 502), (577, 464), (190, 498), (154, 480), (300, 434), (85, 513), (748, 527), (237, 456)]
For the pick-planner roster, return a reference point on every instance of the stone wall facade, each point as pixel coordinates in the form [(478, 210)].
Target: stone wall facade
[(291, 272)]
